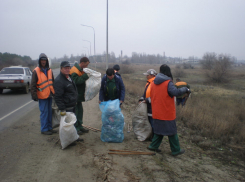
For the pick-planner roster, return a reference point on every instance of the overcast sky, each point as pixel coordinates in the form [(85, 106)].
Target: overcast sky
[(180, 28)]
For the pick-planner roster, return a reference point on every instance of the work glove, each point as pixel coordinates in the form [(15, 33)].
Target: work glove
[(35, 99), (62, 113)]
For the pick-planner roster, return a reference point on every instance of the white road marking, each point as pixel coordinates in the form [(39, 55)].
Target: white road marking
[(15, 110)]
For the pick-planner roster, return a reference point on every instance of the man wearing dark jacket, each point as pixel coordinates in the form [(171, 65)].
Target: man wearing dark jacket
[(79, 77), (112, 87), (65, 91), (42, 91)]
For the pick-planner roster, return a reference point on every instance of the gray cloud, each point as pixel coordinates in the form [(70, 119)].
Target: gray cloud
[(178, 28)]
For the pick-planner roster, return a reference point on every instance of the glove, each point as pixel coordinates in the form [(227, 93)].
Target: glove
[(62, 113), (35, 99), (188, 90)]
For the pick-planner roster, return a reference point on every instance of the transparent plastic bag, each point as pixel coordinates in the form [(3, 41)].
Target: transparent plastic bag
[(92, 84), (141, 125), (112, 122)]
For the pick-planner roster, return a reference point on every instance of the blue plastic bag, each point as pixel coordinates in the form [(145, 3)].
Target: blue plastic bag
[(112, 122)]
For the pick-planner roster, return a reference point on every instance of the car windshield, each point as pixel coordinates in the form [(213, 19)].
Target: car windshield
[(12, 71)]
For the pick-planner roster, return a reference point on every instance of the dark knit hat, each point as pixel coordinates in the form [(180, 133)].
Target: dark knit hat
[(116, 67), (65, 64)]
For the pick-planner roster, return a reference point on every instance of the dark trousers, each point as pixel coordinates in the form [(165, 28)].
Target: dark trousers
[(173, 141), (79, 115), (180, 101), (45, 106), (151, 122)]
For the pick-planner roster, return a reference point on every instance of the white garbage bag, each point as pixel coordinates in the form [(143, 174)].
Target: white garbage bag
[(92, 84), (68, 132), (141, 125)]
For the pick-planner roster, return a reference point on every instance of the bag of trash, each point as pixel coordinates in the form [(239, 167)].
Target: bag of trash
[(92, 84), (112, 122), (68, 132), (55, 115), (141, 125)]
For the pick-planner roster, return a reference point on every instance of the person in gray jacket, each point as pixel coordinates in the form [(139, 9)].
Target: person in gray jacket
[(163, 110)]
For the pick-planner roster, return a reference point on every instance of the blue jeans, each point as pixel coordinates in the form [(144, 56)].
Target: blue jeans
[(45, 106)]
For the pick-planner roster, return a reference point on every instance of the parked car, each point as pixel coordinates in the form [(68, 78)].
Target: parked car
[(15, 77)]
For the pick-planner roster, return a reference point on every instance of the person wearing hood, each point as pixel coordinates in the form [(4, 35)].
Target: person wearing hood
[(163, 110), (42, 91), (150, 76)]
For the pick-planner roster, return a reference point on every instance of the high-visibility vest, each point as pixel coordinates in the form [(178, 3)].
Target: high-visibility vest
[(163, 106), (44, 83), (148, 91), (77, 71)]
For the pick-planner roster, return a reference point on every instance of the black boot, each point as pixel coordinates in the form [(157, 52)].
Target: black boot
[(84, 130)]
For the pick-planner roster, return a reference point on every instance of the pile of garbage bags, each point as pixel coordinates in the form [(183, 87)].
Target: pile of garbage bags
[(112, 122), (92, 84)]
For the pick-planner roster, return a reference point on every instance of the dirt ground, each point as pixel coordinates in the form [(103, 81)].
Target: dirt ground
[(26, 155)]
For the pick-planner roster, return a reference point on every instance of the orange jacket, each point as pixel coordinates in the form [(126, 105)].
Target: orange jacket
[(148, 91), (75, 70), (44, 83), (163, 107)]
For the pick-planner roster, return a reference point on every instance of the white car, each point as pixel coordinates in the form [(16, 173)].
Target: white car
[(15, 77)]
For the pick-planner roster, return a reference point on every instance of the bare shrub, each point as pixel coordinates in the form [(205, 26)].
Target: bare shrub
[(208, 60), (217, 67)]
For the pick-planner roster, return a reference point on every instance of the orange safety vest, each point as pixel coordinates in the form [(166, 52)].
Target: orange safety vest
[(163, 107), (77, 71), (148, 91), (44, 83)]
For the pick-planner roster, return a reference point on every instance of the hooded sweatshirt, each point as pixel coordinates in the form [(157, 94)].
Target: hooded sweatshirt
[(162, 97), (35, 77)]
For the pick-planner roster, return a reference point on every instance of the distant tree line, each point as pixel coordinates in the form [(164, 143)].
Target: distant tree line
[(7, 59)]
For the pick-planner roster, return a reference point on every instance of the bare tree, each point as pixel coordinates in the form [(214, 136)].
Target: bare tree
[(220, 69), (208, 60)]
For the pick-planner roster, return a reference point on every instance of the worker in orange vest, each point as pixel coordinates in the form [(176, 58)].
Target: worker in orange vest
[(42, 90), (150, 76), (163, 110), (182, 98), (79, 77)]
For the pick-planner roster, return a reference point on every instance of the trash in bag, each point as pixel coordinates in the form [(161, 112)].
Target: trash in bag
[(92, 84), (55, 115), (68, 132), (141, 125), (112, 122)]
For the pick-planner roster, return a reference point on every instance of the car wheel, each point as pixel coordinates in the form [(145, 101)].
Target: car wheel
[(1, 90), (26, 89)]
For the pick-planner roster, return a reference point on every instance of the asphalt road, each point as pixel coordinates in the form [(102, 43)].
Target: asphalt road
[(15, 104)]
